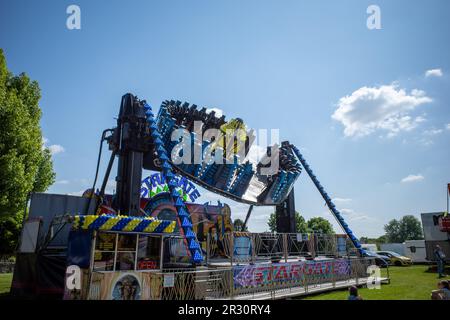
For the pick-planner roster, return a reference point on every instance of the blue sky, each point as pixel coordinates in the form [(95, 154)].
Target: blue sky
[(373, 125)]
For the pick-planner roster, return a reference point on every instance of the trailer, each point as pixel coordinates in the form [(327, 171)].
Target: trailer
[(416, 250), (434, 235)]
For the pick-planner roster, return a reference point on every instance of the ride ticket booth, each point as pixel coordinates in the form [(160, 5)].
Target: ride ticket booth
[(116, 257)]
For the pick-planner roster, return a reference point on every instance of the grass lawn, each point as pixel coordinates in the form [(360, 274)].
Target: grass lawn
[(407, 283), (5, 282)]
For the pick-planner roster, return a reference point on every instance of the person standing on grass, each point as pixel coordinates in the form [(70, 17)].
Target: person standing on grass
[(353, 293), (440, 259)]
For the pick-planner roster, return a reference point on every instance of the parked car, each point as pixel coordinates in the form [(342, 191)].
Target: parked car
[(396, 259), (380, 260)]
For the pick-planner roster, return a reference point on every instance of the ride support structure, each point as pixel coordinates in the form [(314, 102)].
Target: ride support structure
[(182, 211), (142, 141)]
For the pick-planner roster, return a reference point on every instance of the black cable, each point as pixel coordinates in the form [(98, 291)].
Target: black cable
[(98, 166)]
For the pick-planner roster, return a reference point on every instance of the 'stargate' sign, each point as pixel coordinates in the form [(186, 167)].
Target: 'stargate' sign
[(156, 183), (292, 272)]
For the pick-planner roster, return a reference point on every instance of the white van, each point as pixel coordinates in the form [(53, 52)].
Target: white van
[(369, 247), (415, 249)]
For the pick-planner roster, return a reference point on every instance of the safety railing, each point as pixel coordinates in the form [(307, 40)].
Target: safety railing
[(246, 281), (244, 247), (296, 278), (189, 284)]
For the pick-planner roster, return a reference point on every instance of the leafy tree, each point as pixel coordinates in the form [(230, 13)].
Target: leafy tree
[(407, 228), (366, 240), (300, 221), (301, 224), (411, 228), (25, 166), (320, 225), (45, 176), (392, 230), (272, 222), (382, 239), (239, 225), (10, 227), (378, 241)]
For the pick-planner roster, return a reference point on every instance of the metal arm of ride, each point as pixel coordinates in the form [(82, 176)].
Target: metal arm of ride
[(328, 201), (138, 145), (249, 212)]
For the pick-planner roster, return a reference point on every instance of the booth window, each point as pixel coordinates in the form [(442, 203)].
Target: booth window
[(105, 246), (148, 252), (126, 252), (121, 252)]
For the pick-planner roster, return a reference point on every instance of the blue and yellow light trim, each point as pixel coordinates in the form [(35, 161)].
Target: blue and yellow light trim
[(108, 222)]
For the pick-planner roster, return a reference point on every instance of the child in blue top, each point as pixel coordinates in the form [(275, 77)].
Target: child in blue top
[(353, 293)]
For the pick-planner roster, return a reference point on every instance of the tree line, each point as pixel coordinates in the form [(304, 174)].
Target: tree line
[(313, 225), (25, 163), (396, 231)]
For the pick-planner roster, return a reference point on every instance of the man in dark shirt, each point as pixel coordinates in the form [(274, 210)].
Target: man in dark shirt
[(440, 259)]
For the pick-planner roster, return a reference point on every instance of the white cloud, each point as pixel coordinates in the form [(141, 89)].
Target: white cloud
[(362, 224), (413, 178), (387, 108), (62, 182), (433, 73), (432, 132), (426, 142), (341, 199), (55, 149), (351, 215), (447, 126), (77, 193), (428, 135), (219, 112)]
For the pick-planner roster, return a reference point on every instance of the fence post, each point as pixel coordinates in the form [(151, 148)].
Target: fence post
[(333, 274), (313, 245), (271, 283), (285, 247), (252, 239), (231, 283), (231, 248), (207, 248)]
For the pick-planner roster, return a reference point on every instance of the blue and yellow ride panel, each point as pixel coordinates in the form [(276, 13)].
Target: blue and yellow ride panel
[(108, 222)]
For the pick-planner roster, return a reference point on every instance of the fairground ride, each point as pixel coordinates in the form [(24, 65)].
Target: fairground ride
[(121, 241), (144, 140)]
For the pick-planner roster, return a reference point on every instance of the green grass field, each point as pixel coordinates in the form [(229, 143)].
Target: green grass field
[(407, 283), (5, 282)]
